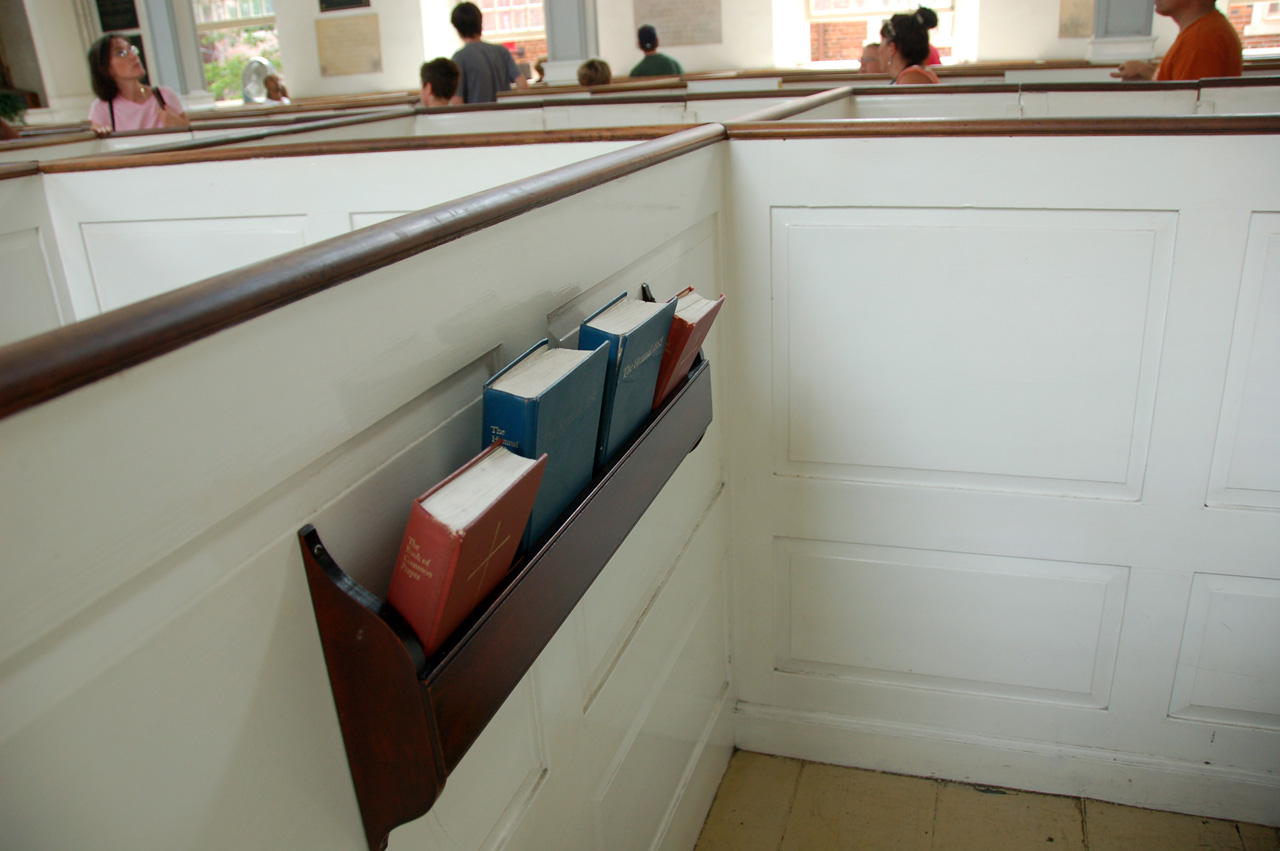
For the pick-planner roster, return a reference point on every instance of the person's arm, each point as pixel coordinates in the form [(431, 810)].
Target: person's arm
[(514, 77), (99, 118), (1135, 69), (171, 114)]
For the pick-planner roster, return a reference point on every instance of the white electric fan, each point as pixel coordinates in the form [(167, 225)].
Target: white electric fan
[(251, 80)]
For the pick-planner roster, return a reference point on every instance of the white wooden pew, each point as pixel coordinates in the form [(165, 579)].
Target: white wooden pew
[(128, 230), (994, 424), (160, 662), (1004, 467)]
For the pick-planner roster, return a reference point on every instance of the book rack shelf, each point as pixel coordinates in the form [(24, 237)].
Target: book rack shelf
[(407, 720)]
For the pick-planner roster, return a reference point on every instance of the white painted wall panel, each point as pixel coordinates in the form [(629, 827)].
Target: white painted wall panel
[(1251, 100), (727, 109), (88, 210), (940, 105), (1072, 104), (398, 127), (672, 725), (131, 261), (485, 798), (1019, 352), (1228, 669), (33, 280), (1246, 467), (950, 621), (497, 121), (1007, 358), (26, 290)]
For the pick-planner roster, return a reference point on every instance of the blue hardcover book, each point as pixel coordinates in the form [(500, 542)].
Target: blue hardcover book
[(548, 400), (636, 332)]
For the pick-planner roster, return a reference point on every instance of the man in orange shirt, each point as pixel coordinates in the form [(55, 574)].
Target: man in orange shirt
[(1207, 45)]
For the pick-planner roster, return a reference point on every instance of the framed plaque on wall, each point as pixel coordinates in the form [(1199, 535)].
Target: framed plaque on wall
[(336, 5)]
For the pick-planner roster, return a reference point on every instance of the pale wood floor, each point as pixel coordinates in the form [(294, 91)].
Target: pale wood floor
[(767, 803)]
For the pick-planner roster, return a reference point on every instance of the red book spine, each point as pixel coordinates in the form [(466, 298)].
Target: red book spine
[(424, 573), (442, 574), (683, 343)]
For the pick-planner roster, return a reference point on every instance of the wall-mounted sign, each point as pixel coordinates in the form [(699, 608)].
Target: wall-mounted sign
[(1075, 18), (116, 15), (349, 45), (335, 5), (681, 21)]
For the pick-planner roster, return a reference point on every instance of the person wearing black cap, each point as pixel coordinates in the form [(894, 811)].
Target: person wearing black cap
[(654, 64)]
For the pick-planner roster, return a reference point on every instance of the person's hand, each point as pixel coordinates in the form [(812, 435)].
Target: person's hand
[(1135, 69), (173, 119), (99, 129)]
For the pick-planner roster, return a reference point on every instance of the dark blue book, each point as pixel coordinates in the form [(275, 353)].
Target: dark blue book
[(548, 400), (636, 332)]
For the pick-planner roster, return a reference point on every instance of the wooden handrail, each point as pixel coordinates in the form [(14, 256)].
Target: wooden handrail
[(48, 140), (1182, 125), (797, 106), (363, 146), (43, 367), (252, 135), (21, 169), (1232, 82), (59, 361)]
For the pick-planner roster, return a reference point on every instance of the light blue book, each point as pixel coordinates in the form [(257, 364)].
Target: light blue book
[(548, 400), (636, 332)]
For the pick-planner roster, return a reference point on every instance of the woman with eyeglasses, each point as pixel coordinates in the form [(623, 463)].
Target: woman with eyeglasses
[(904, 47), (124, 103)]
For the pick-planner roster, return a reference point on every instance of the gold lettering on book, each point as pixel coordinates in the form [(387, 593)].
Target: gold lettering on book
[(483, 567), (496, 432), (414, 564), (657, 346)]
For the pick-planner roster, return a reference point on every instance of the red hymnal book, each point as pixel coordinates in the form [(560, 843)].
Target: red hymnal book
[(461, 539), (694, 315)]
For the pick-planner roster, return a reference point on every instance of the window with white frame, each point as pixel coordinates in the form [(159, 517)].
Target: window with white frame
[(1265, 20), (512, 20), (231, 33)]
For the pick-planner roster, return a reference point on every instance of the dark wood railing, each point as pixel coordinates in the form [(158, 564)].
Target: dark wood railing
[(51, 364), (1182, 125), (273, 125), (43, 367), (221, 153)]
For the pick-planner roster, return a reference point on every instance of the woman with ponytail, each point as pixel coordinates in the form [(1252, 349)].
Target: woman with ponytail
[(904, 47), (929, 18)]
